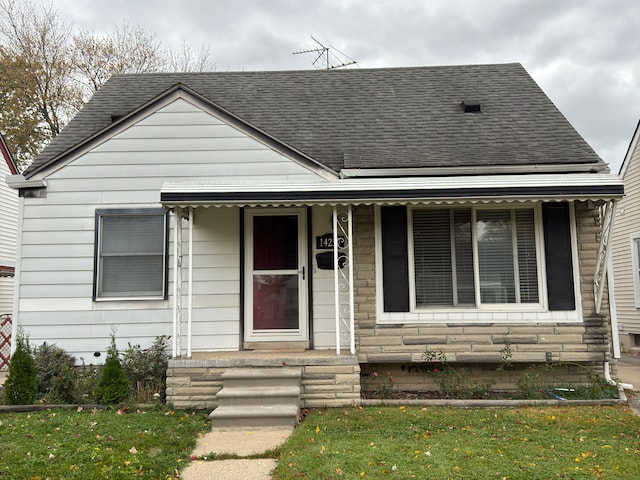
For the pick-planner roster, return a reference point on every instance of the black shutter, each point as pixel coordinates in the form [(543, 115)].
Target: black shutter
[(395, 264), (559, 262)]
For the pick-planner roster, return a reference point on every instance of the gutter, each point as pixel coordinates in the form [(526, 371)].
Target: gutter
[(18, 182), (484, 170)]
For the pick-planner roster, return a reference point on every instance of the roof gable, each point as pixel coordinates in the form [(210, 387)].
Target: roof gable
[(366, 118), (122, 121)]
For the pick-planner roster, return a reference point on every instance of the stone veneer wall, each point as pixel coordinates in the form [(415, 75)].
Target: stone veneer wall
[(326, 381), (380, 344)]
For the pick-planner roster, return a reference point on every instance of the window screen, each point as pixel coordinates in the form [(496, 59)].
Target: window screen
[(131, 253)]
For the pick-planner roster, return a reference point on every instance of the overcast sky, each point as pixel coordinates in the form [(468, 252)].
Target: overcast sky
[(585, 54)]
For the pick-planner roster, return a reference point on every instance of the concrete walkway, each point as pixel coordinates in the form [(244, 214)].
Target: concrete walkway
[(629, 372), (241, 443)]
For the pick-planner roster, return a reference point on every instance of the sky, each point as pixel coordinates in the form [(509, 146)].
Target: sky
[(585, 54)]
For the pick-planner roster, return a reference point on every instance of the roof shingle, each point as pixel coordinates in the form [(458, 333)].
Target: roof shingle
[(367, 118)]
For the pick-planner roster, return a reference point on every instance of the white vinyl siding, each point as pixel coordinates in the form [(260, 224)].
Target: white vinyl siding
[(127, 171), (8, 235), (626, 228)]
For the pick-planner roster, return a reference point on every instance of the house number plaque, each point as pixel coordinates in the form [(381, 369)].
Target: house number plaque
[(325, 242)]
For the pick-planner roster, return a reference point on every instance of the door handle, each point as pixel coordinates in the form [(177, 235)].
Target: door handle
[(302, 273)]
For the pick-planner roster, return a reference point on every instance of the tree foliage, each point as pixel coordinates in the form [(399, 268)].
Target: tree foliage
[(48, 69)]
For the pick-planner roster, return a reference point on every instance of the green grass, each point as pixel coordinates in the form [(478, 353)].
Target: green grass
[(90, 444), (450, 443)]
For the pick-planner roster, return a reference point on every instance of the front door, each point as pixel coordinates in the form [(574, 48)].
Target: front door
[(276, 276)]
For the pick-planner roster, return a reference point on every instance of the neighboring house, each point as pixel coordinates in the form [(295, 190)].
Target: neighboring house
[(8, 231), (625, 245), (460, 205)]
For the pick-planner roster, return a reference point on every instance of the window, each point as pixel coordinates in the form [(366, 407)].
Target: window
[(635, 266), (464, 257), (130, 259)]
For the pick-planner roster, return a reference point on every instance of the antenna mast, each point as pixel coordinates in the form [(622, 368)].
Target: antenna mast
[(326, 53)]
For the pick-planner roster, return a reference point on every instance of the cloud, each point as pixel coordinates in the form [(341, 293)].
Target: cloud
[(583, 53)]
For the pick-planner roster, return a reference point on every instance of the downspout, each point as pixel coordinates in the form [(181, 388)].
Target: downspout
[(607, 375)]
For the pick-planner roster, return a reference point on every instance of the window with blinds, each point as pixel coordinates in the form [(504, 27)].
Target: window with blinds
[(131, 253), (471, 256)]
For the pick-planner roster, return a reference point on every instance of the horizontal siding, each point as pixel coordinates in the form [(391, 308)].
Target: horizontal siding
[(177, 143), (8, 218), (626, 224), (324, 323)]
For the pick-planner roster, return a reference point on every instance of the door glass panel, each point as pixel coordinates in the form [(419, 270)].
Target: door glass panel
[(275, 302), (275, 243)]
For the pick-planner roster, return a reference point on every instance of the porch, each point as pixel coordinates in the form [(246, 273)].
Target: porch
[(327, 379)]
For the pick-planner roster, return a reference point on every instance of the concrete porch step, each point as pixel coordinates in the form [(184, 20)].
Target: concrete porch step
[(261, 377), (243, 418), (257, 398)]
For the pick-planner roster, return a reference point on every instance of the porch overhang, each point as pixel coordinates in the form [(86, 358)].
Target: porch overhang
[(474, 188)]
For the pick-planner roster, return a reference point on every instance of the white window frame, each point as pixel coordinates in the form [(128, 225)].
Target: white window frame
[(98, 279), (634, 242), (479, 305)]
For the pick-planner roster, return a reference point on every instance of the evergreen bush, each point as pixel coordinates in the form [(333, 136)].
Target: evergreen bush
[(52, 361), (113, 386), (21, 386), (147, 369)]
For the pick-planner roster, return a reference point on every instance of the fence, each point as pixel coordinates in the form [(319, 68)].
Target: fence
[(5, 341)]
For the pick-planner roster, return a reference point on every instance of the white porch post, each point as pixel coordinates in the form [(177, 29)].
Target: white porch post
[(346, 308), (336, 282), (352, 333), (177, 281), (190, 281), (604, 251)]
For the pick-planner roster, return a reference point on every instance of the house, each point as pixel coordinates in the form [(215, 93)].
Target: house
[(336, 222), (625, 246), (8, 227)]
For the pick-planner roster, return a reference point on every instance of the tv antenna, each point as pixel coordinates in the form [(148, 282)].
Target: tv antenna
[(326, 56)]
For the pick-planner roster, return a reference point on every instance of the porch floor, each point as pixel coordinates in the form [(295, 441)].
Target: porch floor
[(266, 358)]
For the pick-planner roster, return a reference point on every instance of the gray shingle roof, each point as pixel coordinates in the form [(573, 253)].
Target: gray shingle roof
[(367, 118)]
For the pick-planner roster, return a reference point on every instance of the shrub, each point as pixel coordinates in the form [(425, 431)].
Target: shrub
[(64, 385), (21, 386), (52, 361), (113, 386), (147, 369)]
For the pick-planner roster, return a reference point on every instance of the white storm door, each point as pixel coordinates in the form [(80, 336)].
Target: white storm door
[(276, 284)]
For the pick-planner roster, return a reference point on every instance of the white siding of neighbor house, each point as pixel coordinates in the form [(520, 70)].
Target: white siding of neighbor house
[(8, 234), (626, 226), (178, 142)]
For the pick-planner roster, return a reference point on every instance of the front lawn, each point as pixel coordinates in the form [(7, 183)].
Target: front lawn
[(452, 443), (85, 443)]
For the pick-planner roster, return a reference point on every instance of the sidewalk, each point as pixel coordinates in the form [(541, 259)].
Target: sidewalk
[(241, 443), (629, 370)]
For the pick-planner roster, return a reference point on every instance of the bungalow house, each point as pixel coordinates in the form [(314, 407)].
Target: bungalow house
[(329, 223), (8, 225), (625, 255)]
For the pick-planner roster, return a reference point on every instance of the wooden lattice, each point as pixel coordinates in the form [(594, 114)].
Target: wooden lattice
[(5, 341)]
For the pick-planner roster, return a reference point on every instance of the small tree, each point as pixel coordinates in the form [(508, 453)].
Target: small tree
[(113, 386), (21, 386)]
